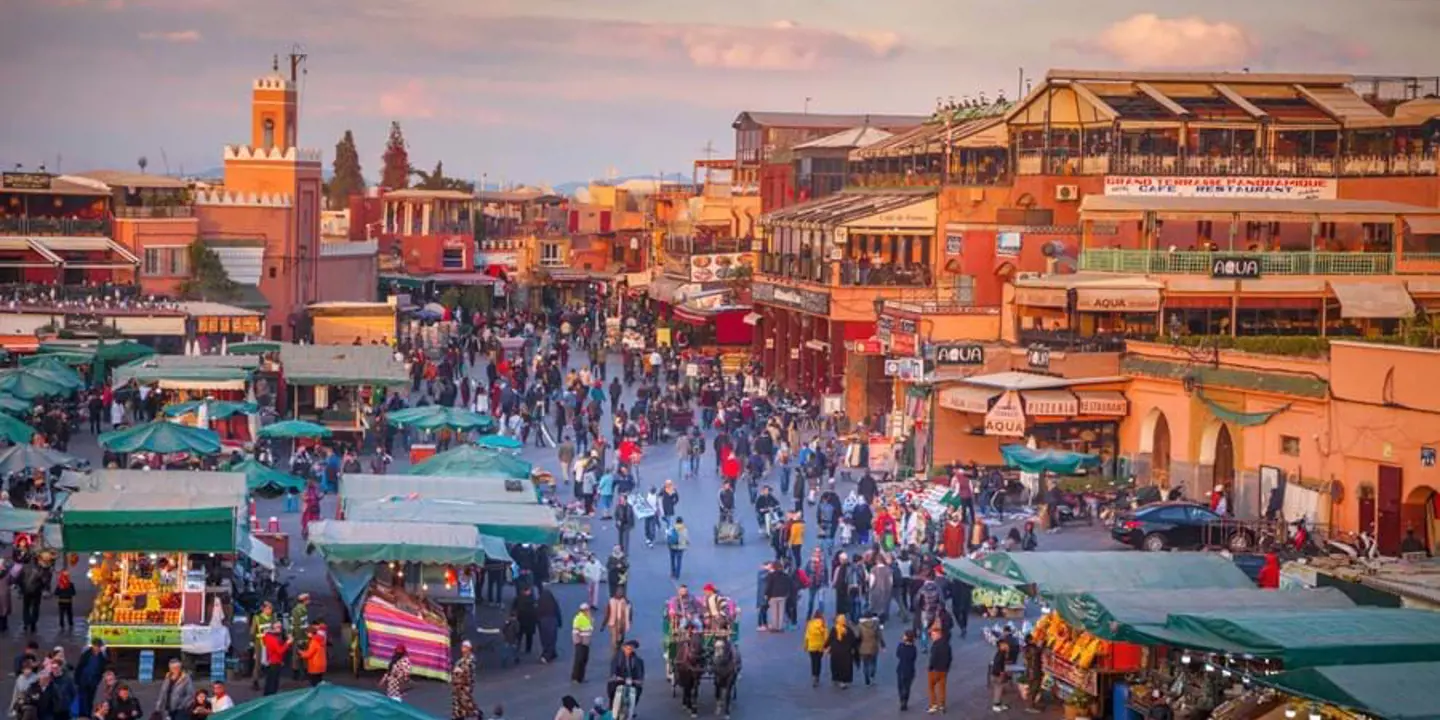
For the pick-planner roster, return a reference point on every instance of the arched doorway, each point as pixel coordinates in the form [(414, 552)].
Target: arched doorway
[(1217, 453), (1155, 446), (1224, 458), (1421, 514)]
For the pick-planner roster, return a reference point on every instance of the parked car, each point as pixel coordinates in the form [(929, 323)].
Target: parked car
[(1180, 526)]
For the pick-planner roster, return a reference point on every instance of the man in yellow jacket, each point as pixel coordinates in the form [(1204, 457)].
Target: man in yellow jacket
[(815, 634), (581, 628)]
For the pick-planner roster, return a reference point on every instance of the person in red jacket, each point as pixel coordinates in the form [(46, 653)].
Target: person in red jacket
[(276, 645), (1269, 578)]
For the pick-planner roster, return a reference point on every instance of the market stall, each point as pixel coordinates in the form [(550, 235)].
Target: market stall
[(373, 566), (334, 384), (358, 489), (472, 461), (100, 355), (437, 422), (162, 541), (335, 702), (192, 386), (1394, 691), (512, 522), (175, 444)]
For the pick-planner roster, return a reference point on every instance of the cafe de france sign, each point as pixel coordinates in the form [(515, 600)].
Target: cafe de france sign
[(1271, 188)]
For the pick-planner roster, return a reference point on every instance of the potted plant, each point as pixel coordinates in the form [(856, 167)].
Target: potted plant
[(1080, 705)]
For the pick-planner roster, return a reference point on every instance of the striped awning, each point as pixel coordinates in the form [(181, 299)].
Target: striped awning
[(967, 398)]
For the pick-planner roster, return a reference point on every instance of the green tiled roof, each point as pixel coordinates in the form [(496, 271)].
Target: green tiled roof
[(1296, 385)]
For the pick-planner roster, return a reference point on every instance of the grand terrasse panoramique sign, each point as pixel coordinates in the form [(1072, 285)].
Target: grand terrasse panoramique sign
[(1221, 187)]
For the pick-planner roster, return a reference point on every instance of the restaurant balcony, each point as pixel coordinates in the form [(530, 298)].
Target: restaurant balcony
[(1066, 341), (43, 226), (155, 212), (884, 275), (1160, 262), (801, 268), (1062, 162)]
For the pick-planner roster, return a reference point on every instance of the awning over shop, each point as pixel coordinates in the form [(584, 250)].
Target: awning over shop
[(1424, 224), (1394, 691), (752, 318), (1040, 297), (149, 522), (61, 244), (1373, 299), (967, 398), (1117, 299), (1308, 638), (343, 365), (1115, 614), (1060, 462), (21, 520), (1110, 403), (1074, 572), (512, 522), (356, 489), (400, 542), (190, 372), (693, 317), (1050, 402)]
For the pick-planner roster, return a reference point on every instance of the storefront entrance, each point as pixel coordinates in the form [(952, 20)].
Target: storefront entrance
[(1388, 524)]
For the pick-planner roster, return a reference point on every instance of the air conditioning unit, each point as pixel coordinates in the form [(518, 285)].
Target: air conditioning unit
[(1067, 193)]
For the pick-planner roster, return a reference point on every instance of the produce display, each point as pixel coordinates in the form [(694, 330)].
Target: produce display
[(1076, 647), (135, 589)]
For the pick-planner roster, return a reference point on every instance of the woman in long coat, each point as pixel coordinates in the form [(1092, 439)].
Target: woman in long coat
[(462, 685), (841, 645)]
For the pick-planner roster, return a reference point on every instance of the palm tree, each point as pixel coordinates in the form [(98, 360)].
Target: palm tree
[(436, 180)]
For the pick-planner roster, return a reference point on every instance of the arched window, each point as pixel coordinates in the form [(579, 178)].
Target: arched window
[(269, 133)]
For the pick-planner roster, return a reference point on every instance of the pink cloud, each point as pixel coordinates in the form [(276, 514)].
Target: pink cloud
[(173, 36), (409, 101), (1147, 40)]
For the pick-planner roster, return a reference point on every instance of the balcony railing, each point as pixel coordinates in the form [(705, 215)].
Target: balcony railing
[(1034, 162), (1067, 341), (796, 267), (1156, 262), (881, 275), (54, 226), (155, 211)]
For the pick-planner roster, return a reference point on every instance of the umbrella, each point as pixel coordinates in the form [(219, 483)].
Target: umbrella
[(324, 700), (499, 442), (63, 374), (471, 461), (433, 417), (14, 430), (162, 437), (27, 384), (294, 429), (214, 409), (429, 315), (265, 480), (14, 405), (254, 347), (24, 458), (59, 357)]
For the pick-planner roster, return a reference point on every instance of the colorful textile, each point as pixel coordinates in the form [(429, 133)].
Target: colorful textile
[(387, 626)]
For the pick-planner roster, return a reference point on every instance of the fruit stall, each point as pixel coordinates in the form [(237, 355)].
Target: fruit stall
[(160, 545)]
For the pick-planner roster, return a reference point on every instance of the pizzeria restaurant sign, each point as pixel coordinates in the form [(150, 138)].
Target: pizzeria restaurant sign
[(1274, 188)]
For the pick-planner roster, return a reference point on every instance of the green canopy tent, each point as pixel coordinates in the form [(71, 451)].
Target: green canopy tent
[(1394, 691), (499, 442), (471, 461), (1060, 462), (350, 541), (292, 429), (188, 372), (104, 354), (25, 458), (266, 481), (189, 483), (162, 437), (127, 521), (29, 384), (1118, 615), (15, 431), (358, 488), (22, 520), (1072, 572), (436, 417), (331, 702), (62, 375), (254, 347), (14, 405), (62, 359), (511, 522), (214, 409), (342, 366), (1307, 638)]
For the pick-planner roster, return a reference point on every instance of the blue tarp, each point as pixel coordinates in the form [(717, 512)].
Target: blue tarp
[(1060, 462)]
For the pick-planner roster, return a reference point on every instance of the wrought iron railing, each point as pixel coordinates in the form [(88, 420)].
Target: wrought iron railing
[(1158, 262)]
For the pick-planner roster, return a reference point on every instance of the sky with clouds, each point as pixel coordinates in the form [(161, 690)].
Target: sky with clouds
[(557, 90)]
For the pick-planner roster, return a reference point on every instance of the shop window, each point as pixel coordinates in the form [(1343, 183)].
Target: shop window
[(453, 259), (1290, 445), (965, 290), (550, 254), (272, 272), (166, 262)]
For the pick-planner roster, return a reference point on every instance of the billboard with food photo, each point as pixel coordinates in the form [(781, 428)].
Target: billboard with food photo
[(718, 266)]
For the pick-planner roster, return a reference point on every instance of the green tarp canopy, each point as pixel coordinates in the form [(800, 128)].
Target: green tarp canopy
[(184, 483), (342, 365), (189, 372), (495, 549), (471, 461), (499, 442), (30, 383), (214, 409), (24, 458), (149, 522), (15, 431), (162, 437), (331, 702), (1060, 462), (362, 488), (348, 541), (254, 347), (14, 405), (110, 351), (435, 417), (263, 479), (1072, 572), (1308, 638), (511, 522), (57, 359), (1393, 691), (1116, 614), (21, 520)]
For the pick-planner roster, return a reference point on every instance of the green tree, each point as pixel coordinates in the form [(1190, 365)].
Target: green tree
[(436, 180), (450, 298), (396, 172), (208, 279), (347, 179)]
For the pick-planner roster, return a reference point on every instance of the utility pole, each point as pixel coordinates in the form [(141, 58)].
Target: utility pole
[(297, 63), (709, 151), (807, 104)]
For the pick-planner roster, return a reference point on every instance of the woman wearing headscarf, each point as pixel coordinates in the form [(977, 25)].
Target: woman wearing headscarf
[(841, 645), (396, 680), (462, 685)]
